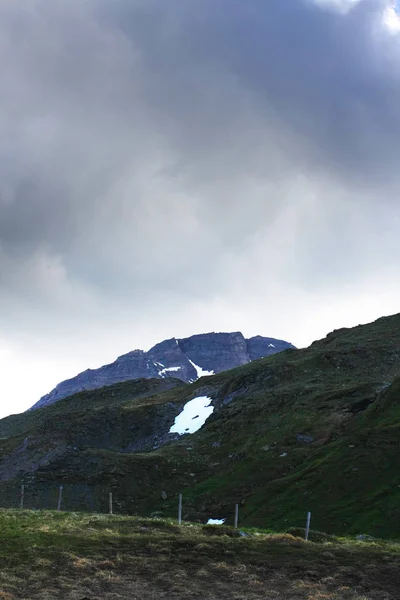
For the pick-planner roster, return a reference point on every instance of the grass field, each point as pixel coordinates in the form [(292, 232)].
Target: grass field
[(77, 556)]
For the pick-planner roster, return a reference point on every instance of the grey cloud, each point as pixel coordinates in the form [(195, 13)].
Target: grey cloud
[(323, 78), (152, 151)]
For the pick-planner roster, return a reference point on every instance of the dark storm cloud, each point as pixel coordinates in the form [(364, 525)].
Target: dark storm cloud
[(149, 147), (323, 77)]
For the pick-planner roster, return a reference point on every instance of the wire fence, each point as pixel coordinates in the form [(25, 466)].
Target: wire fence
[(88, 500)]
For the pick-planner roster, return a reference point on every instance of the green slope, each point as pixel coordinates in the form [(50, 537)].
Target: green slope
[(314, 429)]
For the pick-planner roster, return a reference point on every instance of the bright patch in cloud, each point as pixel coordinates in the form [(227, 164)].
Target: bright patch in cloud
[(342, 6), (391, 19)]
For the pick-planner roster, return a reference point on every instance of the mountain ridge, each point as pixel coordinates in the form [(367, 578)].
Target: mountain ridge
[(186, 359), (315, 429)]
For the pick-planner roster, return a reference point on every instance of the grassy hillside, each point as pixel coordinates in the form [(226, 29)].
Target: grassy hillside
[(85, 402), (47, 555), (314, 429)]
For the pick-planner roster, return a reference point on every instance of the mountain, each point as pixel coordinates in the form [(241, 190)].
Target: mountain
[(316, 429), (186, 359)]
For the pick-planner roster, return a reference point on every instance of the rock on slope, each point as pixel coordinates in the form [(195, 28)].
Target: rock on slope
[(185, 359)]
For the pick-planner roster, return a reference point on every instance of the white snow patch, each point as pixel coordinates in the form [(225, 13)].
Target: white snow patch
[(216, 521), (271, 345), (200, 372), (168, 370), (195, 413)]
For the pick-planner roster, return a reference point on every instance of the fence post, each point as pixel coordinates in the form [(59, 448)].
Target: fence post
[(21, 505), (60, 493), (236, 516), (308, 525), (180, 510), (110, 503)]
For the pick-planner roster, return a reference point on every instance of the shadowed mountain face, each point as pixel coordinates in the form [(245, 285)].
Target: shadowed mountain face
[(186, 359), (316, 430)]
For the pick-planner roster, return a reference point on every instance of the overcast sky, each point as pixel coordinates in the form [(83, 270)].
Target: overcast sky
[(184, 166)]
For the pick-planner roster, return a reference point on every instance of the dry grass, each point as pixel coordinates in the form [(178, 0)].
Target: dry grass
[(92, 557)]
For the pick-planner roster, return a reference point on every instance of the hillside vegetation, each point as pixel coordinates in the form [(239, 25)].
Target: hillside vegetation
[(304, 430)]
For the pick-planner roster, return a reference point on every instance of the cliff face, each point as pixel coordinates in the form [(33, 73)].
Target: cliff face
[(185, 359)]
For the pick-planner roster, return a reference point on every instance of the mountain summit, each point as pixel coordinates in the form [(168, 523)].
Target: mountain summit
[(185, 359), (315, 430)]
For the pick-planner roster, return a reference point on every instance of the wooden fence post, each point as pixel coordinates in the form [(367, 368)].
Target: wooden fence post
[(236, 516), (60, 494), (308, 525), (110, 503), (21, 505), (180, 510)]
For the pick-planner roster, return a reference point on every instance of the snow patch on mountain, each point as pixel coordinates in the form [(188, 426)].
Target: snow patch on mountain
[(168, 370), (195, 413), (200, 371)]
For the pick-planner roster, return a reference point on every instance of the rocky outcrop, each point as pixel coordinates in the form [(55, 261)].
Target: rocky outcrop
[(186, 359)]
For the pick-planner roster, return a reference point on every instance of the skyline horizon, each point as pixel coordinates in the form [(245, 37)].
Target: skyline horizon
[(28, 404)]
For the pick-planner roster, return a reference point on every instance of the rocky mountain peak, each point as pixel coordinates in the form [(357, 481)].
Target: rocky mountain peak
[(186, 359)]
